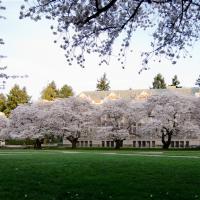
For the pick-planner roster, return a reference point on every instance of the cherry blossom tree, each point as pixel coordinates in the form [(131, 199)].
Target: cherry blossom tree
[(111, 121), (3, 124), (94, 25), (134, 116), (170, 115), (27, 121), (70, 118)]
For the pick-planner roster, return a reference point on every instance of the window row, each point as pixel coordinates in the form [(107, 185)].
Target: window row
[(180, 144), (135, 144), (84, 144)]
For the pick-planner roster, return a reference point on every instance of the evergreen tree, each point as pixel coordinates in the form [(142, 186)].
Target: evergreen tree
[(2, 102), (15, 97), (50, 92), (159, 82), (198, 81), (65, 92), (175, 81), (103, 84)]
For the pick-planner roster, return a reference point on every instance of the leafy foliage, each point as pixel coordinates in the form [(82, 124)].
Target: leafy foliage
[(16, 97), (65, 92), (175, 81), (159, 82), (198, 81), (94, 25), (2, 102), (103, 84), (111, 116), (163, 117), (170, 116), (50, 92)]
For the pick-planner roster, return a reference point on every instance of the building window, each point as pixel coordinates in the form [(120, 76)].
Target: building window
[(139, 143), (187, 144), (181, 144), (103, 144), (107, 143), (172, 144), (177, 144), (134, 143), (90, 143), (112, 143), (153, 143), (148, 144), (143, 143)]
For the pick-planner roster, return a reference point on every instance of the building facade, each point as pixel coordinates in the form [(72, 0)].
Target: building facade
[(98, 97)]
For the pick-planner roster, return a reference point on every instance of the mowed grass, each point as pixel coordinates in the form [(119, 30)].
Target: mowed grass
[(99, 175)]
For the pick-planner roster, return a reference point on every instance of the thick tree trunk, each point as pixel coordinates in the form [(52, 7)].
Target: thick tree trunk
[(38, 144), (166, 145), (74, 144), (118, 144), (73, 141), (166, 139)]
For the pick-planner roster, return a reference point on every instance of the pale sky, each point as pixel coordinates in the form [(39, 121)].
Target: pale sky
[(30, 50)]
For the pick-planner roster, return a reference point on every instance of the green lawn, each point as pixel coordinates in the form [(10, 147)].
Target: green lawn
[(96, 175)]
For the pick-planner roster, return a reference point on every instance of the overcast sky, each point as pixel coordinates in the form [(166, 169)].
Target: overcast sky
[(30, 50)]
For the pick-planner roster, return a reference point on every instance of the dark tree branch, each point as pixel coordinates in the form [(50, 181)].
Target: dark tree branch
[(133, 15), (99, 11)]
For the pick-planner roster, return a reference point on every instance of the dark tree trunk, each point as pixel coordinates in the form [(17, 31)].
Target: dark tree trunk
[(166, 138), (118, 144), (38, 144), (74, 142)]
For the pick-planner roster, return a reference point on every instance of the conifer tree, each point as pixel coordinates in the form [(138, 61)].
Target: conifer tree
[(66, 91), (103, 84), (15, 97), (50, 92), (175, 81), (2, 102), (198, 81), (159, 82)]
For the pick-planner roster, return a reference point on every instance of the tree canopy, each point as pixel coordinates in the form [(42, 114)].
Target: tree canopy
[(175, 81), (103, 84), (15, 97), (51, 92), (65, 91), (165, 117), (198, 81), (170, 116), (159, 82), (2, 102), (94, 25)]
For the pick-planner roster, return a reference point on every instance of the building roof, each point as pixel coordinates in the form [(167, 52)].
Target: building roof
[(98, 97)]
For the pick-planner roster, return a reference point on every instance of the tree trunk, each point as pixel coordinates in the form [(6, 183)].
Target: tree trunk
[(166, 145), (38, 144), (166, 139), (74, 142), (118, 144)]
